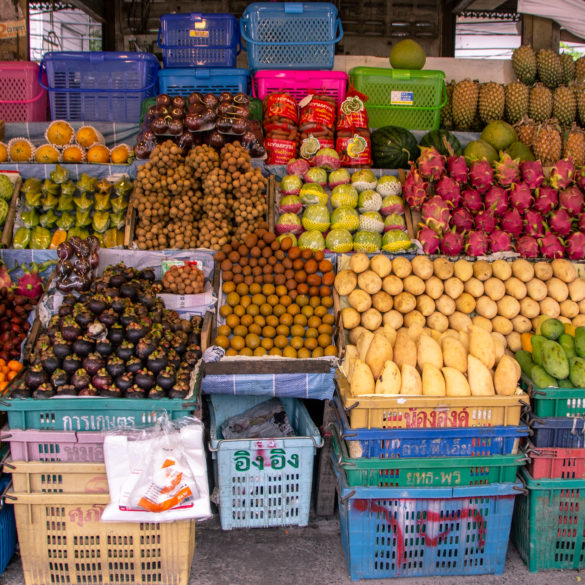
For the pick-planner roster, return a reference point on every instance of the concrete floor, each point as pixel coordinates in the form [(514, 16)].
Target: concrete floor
[(306, 556)]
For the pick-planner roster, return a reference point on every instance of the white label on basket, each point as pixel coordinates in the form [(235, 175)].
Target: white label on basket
[(199, 33), (401, 98)]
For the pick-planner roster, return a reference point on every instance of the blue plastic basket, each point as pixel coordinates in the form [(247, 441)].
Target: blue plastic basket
[(566, 433), (7, 527), (290, 35), (263, 482), (186, 81), (199, 40), (423, 532), (448, 442), (98, 86)]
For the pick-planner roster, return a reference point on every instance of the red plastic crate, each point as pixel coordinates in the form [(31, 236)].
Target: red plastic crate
[(22, 99), (556, 463)]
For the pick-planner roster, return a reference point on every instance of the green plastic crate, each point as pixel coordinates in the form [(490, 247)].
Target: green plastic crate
[(548, 529), (399, 97), (555, 402), (426, 471)]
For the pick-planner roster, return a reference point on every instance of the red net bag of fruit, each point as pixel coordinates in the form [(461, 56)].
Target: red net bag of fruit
[(280, 108), (351, 112), (354, 147)]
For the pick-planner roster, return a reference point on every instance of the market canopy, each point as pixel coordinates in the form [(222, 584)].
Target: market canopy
[(570, 14)]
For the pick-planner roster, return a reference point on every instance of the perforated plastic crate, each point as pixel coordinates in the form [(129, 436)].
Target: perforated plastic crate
[(568, 433), (185, 81), (197, 39), (290, 35), (300, 83), (555, 463), (22, 99), (7, 527), (558, 402)]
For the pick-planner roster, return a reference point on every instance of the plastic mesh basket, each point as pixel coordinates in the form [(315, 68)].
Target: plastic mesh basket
[(199, 40), (290, 35), (568, 433), (22, 99), (300, 83), (555, 463), (185, 81)]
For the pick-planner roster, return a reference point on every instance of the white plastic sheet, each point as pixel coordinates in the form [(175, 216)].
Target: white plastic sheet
[(570, 14)]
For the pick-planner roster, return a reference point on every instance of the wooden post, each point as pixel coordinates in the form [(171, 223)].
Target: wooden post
[(325, 501), (541, 33)]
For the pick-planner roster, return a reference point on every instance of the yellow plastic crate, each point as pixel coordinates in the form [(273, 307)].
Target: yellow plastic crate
[(402, 412)]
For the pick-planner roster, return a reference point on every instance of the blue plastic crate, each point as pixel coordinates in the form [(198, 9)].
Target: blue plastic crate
[(186, 81), (7, 527), (290, 35), (99, 86), (423, 532), (263, 482), (566, 433), (196, 39)]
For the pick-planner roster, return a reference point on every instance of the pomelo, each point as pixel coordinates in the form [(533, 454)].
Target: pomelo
[(478, 149), (407, 54), (499, 134)]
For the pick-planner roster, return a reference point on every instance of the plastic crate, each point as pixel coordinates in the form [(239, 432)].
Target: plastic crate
[(7, 527), (427, 471), (299, 83), (263, 482), (555, 463), (22, 99), (62, 540), (558, 402), (398, 97), (566, 433), (397, 532), (549, 523), (185, 81), (290, 35), (199, 40), (99, 86)]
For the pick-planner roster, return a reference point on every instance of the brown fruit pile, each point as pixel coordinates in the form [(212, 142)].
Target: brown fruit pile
[(184, 280)]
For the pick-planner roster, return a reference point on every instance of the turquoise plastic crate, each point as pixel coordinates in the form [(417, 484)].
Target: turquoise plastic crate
[(263, 482), (7, 526)]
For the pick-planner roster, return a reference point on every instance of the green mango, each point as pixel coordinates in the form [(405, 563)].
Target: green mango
[(577, 375), (580, 341), (552, 329), (568, 344), (541, 379), (566, 383), (524, 358), (554, 360), (537, 341)]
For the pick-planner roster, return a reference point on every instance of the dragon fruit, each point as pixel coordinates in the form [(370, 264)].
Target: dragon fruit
[(472, 200), (435, 213), (507, 171), (532, 173), (527, 247), (560, 222), (576, 246), (431, 163), (547, 199), (477, 244), (534, 224), (581, 222), (457, 167), (452, 243), (580, 178), (5, 280), (521, 196), (512, 222), (496, 199), (30, 284), (481, 175), (415, 189), (562, 173), (462, 220), (429, 239), (551, 246), (500, 241), (485, 221), (449, 190), (572, 200)]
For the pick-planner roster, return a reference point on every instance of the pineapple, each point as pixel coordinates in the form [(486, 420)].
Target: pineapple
[(517, 96), (547, 144), (550, 70), (568, 67), (524, 64), (541, 103), (574, 146), (579, 89), (464, 103), (580, 69), (564, 106), (492, 98), (525, 130), (447, 110)]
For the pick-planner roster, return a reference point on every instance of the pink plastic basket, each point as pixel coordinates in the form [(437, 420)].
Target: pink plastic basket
[(22, 99), (300, 83), (556, 463)]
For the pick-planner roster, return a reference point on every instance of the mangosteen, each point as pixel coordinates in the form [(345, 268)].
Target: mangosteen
[(111, 391), (124, 381), (97, 305), (115, 366), (35, 376), (83, 318), (147, 274), (128, 290), (109, 317), (83, 298), (196, 323), (145, 346), (179, 344), (69, 328), (135, 332), (21, 390), (50, 361), (166, 378), (144, 378), (59, 378), (141, 311), (44, 390), (92, 363), (101, 379), (195, 349), (179, 390), (69, 300), (80, 379), (116, 334), (194, 338), (157, 361), (65, 310), (83, 345), (135, 392), (66, 390), (119, 304), (156, 314), (128, 316), (71, 363), (95, 330), (156, 393), (117, 280), (104, 347), (110, 293), (183, 374), (125, 350), (134, 364), (173, 358), (61, 347), (91, 390)]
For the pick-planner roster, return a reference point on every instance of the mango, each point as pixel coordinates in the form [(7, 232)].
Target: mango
[(568, 344), (541, 379), (537, 341), (577, 375), (552, 329), (566, 383), (580, 341), (554, 360), (524, 358)]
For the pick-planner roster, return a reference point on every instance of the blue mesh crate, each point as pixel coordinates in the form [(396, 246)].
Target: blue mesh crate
[(199, 40), (290, 35), (563, 433), (7, 527), (204, 80), (99, 86)]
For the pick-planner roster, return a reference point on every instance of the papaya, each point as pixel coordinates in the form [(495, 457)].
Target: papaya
[(554, 360), (568, 344), (552, 329), (577, 374), (524, 358), (537, 341), (541, 379), (580, 341)]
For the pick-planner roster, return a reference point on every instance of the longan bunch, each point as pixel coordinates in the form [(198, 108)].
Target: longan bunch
[(182, 234), (214, 232), (184, 280), (202, 159), (234, 157)]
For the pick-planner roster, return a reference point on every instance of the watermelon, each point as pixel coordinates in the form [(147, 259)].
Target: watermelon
[(443, 141), (393, 147)]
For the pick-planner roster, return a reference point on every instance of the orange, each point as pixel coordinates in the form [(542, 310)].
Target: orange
[(20, 150), (3, 152), (222, 341), (59, 133), (11, 375), (87, 136), (3, 385), (120, 154), (98, 153), (73, 154), (2, 376)]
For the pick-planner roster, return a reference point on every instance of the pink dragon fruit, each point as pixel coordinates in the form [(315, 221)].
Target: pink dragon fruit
[(532, 173), (429, 239), (452, 243), (527, 247), (576, 246), (457, 167), (507, 171), (481, 175), (560, 222), (415, 189), (500, 241), (462, 220), (572, 200), (580, 178), (512, 222), (534, 224), (477, 244), (581, 222), (551, 246), (435, 213), (449, 190), (547, 199), (472, 200), (431, 163), (562, 173), (30, 284), (496, 199), (521, 196), (485, 221)]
